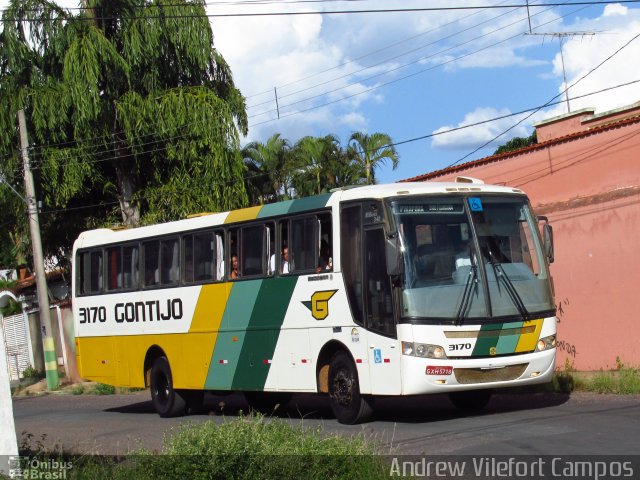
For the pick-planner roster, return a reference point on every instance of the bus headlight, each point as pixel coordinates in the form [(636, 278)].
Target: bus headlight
[(423, 350), (546, 343)]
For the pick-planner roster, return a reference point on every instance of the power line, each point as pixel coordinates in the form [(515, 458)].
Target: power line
[(442, 132), (548, 103), (397, 56), (509, 115), (425, 32), (367, 90), (401, 142), (329, 12)]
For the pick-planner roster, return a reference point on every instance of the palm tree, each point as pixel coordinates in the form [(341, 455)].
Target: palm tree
[(371, 151), (314, 159), (268, 178)]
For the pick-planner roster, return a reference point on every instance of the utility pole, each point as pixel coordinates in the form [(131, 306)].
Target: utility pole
[(50, 360)]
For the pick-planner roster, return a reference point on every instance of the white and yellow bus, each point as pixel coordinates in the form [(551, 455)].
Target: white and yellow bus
[(400, 289)]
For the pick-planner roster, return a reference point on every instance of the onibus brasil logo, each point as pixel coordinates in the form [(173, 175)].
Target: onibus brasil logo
[(319, 304)]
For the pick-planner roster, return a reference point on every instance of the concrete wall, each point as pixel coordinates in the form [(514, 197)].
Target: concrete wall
[(589, 187), (8, 441)]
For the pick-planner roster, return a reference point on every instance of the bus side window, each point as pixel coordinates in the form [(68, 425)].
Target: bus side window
[(253, 252), (200, 257), (219, 265), (114, 268), (351, 258), (90, 272), (234, 259), (169, 261), (151, 252), (271, 249), (302, 251), (282, 254), (96, 271), (130, 266), (187, 255), (325, 243)]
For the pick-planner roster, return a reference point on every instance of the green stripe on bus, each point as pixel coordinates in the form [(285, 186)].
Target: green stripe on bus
[(508, 343), (310, 203), (485, 343), (228, 347), (263, 332), (273, 209)]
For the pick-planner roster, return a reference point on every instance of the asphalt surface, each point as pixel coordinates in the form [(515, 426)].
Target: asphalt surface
[(512, 424)]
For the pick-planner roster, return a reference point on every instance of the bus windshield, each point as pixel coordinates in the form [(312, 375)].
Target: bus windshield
[(469, 258)]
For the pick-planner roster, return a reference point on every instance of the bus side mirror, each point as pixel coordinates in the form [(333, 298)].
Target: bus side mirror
[(547, 238), (394, 255)]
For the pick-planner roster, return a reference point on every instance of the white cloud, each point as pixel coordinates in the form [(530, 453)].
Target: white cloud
[(583, 55), (475, 136), (341, 56), (615, 27), (615, 9)]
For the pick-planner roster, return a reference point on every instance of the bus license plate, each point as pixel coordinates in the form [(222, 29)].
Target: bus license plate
[(439, 370)]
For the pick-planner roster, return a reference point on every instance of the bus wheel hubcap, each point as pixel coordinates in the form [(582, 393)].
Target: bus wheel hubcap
[(343, 388)]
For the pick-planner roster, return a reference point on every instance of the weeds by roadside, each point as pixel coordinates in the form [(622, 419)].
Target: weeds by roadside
[(243, 448), (623, 380)]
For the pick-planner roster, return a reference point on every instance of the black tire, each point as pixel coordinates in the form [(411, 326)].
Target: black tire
[(471, 400), (348, 405), (167, 401), (267, 403)]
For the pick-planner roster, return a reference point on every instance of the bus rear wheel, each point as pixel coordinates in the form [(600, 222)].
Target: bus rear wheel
[(347, 404), (471, 400), (167, 401)]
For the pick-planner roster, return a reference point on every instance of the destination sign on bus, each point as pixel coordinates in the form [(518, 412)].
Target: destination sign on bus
[(428, 208)]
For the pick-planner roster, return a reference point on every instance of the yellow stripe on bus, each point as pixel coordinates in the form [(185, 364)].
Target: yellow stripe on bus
[(527, 341), (250, 213)]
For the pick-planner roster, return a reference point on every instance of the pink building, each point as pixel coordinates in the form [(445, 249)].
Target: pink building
[(584, 174)]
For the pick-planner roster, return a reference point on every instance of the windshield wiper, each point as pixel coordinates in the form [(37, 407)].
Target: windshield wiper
[(466, 294), (500, 274)]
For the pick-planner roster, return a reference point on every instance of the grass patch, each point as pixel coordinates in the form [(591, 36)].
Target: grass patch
[(103, 389), (625, 380), (251, 447)]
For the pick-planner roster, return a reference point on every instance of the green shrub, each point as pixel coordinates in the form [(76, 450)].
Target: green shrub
[(246, 448), (77, 390), (254, 447), (32, 373), (103, 389)]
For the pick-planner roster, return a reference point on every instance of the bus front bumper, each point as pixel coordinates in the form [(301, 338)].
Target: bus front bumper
[(425, 375)]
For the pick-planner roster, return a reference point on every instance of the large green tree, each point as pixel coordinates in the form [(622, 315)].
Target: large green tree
[(129, 107), (372, 151)]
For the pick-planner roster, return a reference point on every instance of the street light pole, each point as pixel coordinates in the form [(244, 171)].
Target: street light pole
[(50, 360)]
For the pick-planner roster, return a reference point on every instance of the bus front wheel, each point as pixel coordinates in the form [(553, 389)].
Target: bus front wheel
[(166, 400), (348, 405)]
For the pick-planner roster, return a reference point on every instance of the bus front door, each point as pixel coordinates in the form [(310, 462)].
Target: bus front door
[(384, 349)]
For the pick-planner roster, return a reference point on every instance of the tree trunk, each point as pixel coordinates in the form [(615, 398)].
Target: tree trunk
[(130, 211)]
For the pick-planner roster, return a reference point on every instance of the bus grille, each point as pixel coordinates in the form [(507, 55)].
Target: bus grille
[(477, 375)]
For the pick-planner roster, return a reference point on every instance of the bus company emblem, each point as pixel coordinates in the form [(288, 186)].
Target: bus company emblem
[(492, 351), (319, 304)]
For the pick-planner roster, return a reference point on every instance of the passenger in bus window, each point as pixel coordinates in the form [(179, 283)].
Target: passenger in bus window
[(325, 262), (284, 262), (284, 265), (234, 266)]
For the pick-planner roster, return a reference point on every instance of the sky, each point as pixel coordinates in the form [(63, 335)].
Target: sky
[(419, 74)]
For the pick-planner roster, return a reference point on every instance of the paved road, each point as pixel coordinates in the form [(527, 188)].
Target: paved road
[(534, 424)]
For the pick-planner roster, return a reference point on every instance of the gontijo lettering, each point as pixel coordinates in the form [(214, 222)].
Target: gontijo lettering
[(149, 311)]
